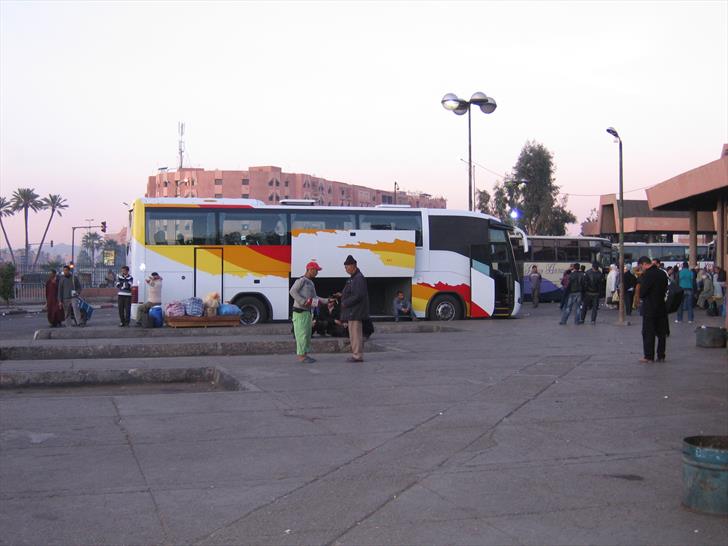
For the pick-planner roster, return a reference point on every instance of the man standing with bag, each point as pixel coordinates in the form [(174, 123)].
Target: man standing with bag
[(652, 290), (69, 288), (355, 308), (304, 297)]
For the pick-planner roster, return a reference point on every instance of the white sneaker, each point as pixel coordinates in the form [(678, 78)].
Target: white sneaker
[(690, 322), (677, 321)]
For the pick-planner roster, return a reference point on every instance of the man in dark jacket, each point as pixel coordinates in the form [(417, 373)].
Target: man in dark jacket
[(574, 290), (630, 281), (355, 308), (653, 287), (592, 285)]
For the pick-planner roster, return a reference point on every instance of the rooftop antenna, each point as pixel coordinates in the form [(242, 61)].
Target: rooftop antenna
[(181, 129)]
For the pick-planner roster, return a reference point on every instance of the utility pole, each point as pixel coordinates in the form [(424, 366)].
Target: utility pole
[(181, 142)]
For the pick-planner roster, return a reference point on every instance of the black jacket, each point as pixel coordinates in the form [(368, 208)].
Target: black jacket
[(653, 287), (355, 298), (577, 282), (594, 280)]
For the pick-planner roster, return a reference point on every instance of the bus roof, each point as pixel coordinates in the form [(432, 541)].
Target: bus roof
[(570, 238)]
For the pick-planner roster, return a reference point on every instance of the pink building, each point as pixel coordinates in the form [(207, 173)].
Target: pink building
[(271, 184)]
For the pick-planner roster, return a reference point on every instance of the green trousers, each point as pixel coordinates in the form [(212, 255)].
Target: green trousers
[(302, 331)]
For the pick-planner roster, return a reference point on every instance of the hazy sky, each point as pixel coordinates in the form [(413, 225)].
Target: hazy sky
[(91, 93)]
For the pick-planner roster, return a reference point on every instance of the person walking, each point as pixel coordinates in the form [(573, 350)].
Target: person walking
[(685, 281), (535, 277), (304, 297), (652, 290), (355, 308), (574, 291), (69, 288), (55, 312), (592, 285), (123, 283)]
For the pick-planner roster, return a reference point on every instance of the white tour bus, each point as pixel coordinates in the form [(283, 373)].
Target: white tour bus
[(553, 255), (452, 264), (670, 254)]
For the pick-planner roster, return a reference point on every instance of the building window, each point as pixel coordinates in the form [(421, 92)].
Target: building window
[(218, 196), (218, 181), (246, 196), (270, 182), (270, 197), (278, 183), (165, 183), (246, 182), (285, 183)]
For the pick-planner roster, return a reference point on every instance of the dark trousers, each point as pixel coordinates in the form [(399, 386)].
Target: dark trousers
[(590, 300), (628, 301), (124, 303), (654, 327)]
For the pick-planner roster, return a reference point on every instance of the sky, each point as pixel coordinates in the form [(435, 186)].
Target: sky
[(91, 94)]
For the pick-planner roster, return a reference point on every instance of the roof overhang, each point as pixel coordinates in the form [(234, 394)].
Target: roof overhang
[(698, 189)]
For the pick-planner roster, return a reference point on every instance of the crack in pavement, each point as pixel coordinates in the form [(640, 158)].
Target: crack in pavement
[(148, 489)]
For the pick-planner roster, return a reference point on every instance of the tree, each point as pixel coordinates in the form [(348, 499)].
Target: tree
[(6, 209), (83, 259), (531, 189), (26, 199), (92, 242), (7, 282), (56, 204)]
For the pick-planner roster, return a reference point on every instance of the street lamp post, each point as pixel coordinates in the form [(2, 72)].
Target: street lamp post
[(396, 187), (612, 131), (459, 106)]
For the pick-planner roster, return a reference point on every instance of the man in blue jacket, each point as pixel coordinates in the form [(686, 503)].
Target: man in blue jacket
[(685, 280), (355, 308)]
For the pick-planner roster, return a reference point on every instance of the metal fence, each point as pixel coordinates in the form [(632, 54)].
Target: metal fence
[(29, 292)]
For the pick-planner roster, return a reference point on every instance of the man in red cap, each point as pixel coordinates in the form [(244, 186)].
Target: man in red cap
[(304, 297)]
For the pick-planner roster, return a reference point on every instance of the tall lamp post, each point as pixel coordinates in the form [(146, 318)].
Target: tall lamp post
[(396, 187), (612, 131), (460, 106)]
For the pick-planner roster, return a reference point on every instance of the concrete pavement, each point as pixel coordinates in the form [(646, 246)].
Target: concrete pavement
[(501, 432)]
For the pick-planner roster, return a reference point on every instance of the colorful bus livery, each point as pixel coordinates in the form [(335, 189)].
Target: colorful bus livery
[(453, 264)]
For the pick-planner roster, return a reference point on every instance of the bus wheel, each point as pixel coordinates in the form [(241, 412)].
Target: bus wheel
[(445, 307), (252, 311)]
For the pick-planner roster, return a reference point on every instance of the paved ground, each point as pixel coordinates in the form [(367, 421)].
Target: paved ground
[(505, 432)]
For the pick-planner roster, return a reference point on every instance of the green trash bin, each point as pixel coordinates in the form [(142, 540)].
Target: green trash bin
[(705, 474)]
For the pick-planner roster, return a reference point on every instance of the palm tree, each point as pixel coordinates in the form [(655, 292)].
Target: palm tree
[(56, 203), (26, 199), (6, 209), (92, 241)]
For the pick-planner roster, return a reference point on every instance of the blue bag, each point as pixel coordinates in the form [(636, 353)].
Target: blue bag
[(228, 309), (155, 316)]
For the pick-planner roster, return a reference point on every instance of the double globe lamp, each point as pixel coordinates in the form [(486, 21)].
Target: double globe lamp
[(460, 106)]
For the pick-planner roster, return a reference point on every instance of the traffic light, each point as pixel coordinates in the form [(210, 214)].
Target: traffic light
[(51, 243), (103, 227)]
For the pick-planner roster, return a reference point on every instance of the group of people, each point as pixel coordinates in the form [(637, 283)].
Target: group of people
[(62, 299), (645, 290), (63, 292), (354, 309)]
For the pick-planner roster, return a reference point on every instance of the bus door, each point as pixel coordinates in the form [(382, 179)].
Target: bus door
[(208, 271), (482, 289), (503, 272)]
